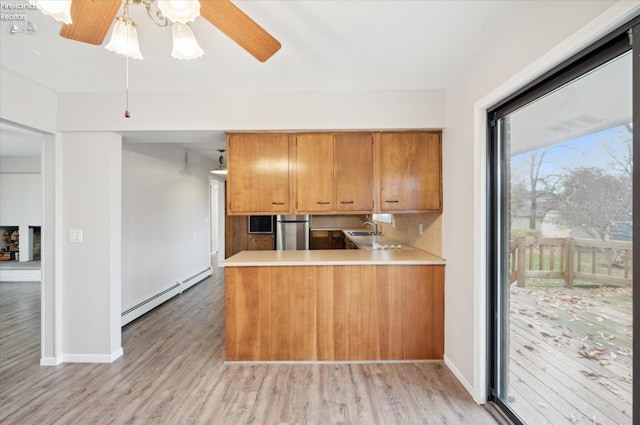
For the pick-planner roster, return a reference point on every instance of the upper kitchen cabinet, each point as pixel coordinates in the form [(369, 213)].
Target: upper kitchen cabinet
[(353, 171), (409, 170), (314, 173), (258, 174)]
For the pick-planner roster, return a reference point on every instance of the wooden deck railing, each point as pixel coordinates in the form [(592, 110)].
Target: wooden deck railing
[(606, 262)]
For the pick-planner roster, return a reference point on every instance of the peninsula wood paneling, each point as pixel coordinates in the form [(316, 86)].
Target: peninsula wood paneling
[(339, 313)]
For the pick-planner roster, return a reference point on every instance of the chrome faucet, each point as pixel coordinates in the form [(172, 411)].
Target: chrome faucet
[(374, 226)]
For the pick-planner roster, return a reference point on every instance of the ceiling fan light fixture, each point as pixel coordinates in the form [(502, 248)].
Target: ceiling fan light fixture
[(180, 11), (60, 10), (124, 38), (222, 169), (185, 45)]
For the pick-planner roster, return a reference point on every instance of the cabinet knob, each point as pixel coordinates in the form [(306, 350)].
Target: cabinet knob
[(392, 201), (277, 203), (346, 202), (323, 203)]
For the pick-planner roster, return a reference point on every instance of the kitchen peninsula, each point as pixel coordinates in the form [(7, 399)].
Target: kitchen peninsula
[(334, 305)]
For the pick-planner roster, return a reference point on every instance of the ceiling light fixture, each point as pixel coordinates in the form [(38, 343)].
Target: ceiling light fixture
[(180, 11), (222, 169), (185, 45), (60, 10), (124, 36)]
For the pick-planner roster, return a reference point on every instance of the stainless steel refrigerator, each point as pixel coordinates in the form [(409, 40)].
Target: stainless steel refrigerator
[(292, 232)]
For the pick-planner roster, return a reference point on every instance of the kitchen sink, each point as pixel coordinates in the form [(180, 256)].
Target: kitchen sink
[(361, 233)]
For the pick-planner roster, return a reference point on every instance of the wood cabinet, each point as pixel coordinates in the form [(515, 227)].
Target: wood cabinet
[(336, 239), (353, 172), (258, 174), (334, 313), (334, 173), (325, 239), (235, 235), (319, 239), (261, 242), (238, 238), (408, 166), (314, 173), (349, 244)]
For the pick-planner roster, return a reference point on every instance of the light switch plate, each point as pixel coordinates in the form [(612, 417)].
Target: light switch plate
[(76, 235)]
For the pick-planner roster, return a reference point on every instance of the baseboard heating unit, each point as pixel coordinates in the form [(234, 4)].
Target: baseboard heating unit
[(152, 302)]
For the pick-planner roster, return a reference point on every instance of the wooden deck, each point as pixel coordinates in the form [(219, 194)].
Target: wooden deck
[(570, 355)]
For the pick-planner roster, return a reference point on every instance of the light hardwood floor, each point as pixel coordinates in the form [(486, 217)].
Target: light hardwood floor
[(173, 372)]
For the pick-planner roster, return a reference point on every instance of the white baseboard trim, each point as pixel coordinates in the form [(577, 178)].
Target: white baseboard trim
[(82, 358), (152, 302), (50, 361), (466, 384), (198, 277), (7, 275), (149, 304), (92, 358)]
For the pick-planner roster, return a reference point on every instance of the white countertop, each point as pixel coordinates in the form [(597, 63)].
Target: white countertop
[(333, 257)]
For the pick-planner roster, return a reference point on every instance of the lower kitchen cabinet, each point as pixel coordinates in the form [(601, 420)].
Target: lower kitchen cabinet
[(336, 239), (319, 239), (334, 313), (324, 239), (261, 242)]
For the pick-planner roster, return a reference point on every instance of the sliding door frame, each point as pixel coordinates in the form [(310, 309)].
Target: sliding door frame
[(612, 45)]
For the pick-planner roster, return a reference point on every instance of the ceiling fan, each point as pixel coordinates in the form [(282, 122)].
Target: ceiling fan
[(93, 18)]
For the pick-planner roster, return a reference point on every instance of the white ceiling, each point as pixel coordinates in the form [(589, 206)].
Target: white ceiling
[(326, 45)]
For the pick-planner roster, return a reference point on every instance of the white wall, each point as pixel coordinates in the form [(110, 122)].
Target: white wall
[(90, 274), (165, 218), (20, 191), (504, 67), (27, 103), (258, 111)]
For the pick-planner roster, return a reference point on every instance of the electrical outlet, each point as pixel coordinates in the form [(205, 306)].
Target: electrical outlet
[(420, 228)]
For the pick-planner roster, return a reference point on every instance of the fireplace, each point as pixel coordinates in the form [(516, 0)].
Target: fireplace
[(20, 243)]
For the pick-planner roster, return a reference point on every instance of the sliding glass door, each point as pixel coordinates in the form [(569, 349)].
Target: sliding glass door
[(562, 256)]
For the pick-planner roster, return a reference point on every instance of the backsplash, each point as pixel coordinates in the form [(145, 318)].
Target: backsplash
[(406, 231), (337, 221)]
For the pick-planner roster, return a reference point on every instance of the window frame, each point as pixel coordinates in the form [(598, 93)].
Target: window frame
[(614, 44)]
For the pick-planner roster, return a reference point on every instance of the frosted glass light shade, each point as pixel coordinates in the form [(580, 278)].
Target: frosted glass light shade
[(124, 38), (181, 11), (60, 10), (185, 45)]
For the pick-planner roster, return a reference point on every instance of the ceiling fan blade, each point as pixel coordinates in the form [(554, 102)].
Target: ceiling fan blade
[(91, 20), (240, 28)]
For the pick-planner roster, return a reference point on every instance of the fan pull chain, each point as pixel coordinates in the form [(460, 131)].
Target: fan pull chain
[(127, 114), (126, 111)]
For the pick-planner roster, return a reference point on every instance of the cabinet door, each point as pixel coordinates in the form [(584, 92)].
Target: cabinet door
[(319, 239), (261, 242), (258, 173), (410, 172), (314, 173), (354, 172), (336, 240)]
